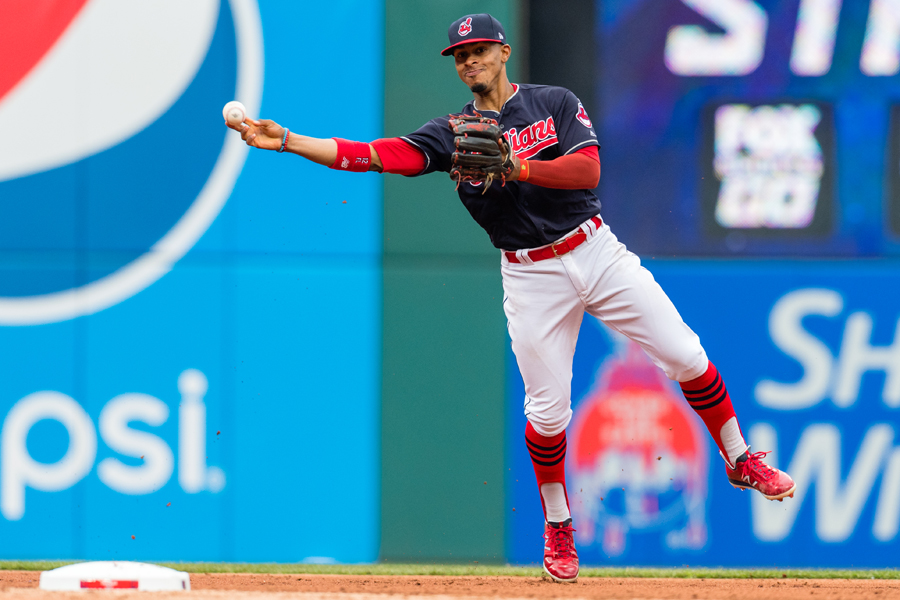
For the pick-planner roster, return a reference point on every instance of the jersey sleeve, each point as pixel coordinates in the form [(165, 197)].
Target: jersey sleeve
[(573, 125), (435, 140)]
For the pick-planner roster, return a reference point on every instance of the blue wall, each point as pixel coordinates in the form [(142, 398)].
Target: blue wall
[(811, 358), (264, 339)]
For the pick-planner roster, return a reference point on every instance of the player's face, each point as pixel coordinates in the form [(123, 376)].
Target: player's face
[(480, 64)]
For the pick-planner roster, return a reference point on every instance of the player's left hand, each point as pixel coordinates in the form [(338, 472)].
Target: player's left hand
[(482, 154), (261, 133)]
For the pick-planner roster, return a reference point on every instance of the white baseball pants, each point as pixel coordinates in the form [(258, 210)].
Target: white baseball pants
[(545, 302)]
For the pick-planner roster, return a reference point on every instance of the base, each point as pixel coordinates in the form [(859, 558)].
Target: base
[(114, 575)]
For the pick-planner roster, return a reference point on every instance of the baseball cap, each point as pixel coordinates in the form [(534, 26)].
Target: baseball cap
[(474, 28)]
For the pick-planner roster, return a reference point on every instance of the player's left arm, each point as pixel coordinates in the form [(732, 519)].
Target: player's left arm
[(577, 171), (579, 166)]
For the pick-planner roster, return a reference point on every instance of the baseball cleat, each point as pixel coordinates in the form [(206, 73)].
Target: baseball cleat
[(751, 473), (560, 557)]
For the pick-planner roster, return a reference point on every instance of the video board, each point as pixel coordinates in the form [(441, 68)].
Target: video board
[(742, 128)]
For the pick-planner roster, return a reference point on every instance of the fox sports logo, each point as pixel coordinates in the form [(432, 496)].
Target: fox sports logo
[(113, 158)]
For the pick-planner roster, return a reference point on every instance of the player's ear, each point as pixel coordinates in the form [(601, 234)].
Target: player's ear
[(505, 51)]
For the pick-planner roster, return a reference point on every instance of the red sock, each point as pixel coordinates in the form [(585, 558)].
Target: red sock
[(709, 398), (548, 455)]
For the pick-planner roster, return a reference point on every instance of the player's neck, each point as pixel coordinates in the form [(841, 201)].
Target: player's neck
[(495, 98)]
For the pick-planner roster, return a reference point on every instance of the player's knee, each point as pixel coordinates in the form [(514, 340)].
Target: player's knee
[(550, 423), (689, 363)]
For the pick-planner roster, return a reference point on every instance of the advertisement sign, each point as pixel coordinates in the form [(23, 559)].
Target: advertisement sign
[(811, 356), (181, 339), (623, 431)]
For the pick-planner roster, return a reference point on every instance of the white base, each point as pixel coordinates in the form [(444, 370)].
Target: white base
[(114, 575)]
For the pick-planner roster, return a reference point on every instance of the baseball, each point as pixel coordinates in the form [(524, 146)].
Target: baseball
[(234, 113)]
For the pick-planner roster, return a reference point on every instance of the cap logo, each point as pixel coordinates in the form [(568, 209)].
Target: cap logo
[(465, 28)]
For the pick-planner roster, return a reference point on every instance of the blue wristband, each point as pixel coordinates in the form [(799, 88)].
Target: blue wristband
[(284, 139)]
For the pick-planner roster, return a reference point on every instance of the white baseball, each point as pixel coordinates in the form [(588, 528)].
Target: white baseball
[(234, 113)]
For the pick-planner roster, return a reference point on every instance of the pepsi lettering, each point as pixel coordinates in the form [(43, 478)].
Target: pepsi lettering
[(19, 471)]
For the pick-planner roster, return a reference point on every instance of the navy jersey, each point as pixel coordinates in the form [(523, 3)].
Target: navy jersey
[(540, 122)]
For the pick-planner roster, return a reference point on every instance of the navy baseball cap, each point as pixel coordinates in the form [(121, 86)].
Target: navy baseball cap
[(474, 28)]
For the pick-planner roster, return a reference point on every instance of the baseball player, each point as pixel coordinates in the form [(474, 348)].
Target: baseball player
[(525, 159)]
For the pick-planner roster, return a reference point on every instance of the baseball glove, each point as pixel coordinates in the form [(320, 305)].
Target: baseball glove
[(482, 154)]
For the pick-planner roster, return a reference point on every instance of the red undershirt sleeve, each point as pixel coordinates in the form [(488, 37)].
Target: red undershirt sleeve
[(577, 171), (592, 151), (399, 157)]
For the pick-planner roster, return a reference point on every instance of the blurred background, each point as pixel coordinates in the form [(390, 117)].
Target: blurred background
[(220, 355)]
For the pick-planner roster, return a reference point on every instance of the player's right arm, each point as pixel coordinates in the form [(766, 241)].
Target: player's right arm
[(399, 157), (269, 135), (425, 150)]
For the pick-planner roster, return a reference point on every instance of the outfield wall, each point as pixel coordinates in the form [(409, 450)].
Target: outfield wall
[(444, 330)]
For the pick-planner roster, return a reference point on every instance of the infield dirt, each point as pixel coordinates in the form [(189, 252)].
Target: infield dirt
[(23, 585)]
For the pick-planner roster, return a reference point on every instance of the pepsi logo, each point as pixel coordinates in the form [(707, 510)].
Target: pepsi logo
[(114, 161), (465, 28), (27, 31)]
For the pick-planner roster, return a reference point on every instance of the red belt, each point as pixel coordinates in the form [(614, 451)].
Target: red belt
[(563, 246)]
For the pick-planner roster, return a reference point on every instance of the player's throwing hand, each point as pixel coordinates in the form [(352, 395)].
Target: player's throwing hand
[(261, 133)]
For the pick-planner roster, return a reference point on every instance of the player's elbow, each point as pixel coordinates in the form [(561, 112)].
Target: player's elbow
[(375, 162), (593, 174)]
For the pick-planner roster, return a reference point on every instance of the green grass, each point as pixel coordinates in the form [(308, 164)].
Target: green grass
[(492, 570)]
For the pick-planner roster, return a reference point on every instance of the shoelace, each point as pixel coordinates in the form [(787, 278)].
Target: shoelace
[(754, 463), (561, 541)]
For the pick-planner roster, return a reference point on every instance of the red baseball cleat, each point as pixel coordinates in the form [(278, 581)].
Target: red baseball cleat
[(560, 558), (750, 472)]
